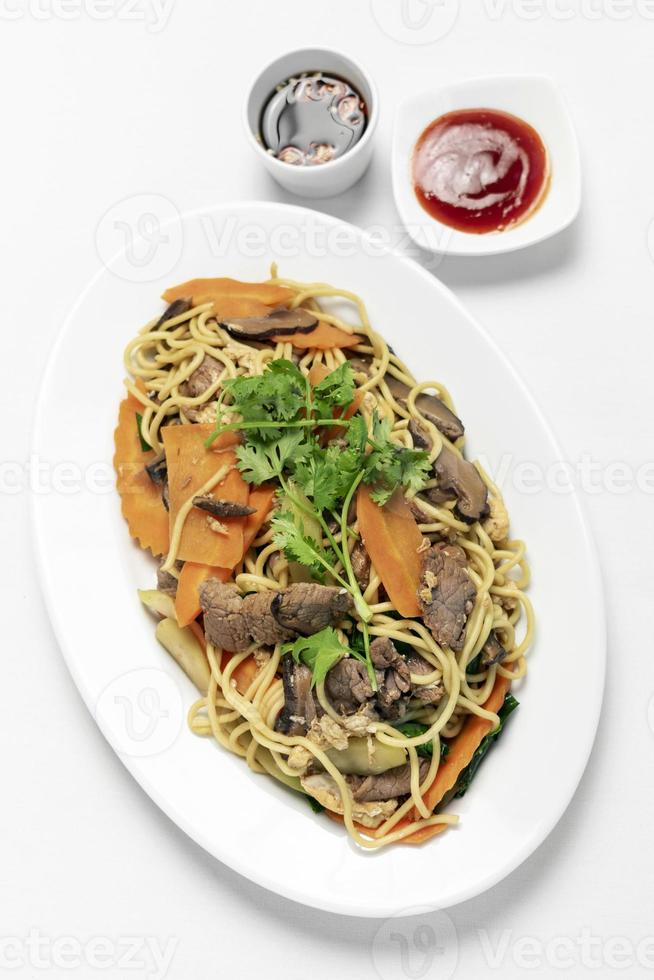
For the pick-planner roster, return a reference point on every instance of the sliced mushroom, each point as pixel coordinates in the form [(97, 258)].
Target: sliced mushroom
[(430, 406), (492, 651), (458, 475), (457, 478), (280, 322), (222, 508), (157, 470), (176, 308)]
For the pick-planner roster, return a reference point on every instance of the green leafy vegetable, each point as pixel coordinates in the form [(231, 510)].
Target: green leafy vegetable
[(319, 652), (411, 729), (466, 777), (145, 445), (313, 803)]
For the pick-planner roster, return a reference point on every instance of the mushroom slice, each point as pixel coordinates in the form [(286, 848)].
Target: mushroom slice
[(157, 470), (430, 406), (277, 322), (492, 651), (176, 308), (222, 508), (458, 475)]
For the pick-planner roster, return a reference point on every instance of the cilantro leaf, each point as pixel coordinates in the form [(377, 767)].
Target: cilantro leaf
[(334, 391), (327, 475), (319, 652), (390, 466), (277, 395), (301, 547), (260, 460)]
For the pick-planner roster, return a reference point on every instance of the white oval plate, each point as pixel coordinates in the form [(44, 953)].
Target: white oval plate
[(90, 571), (534, 98)]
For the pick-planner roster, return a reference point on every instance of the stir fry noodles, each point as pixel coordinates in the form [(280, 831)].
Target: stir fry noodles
[(336, 578)]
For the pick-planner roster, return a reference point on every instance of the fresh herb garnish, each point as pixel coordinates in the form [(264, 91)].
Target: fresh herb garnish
[(389, 466), (466, 777), (280, 415), (411, 729), (318, 652)]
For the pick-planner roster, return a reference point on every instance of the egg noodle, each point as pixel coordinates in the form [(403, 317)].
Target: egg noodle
[(162, 357)]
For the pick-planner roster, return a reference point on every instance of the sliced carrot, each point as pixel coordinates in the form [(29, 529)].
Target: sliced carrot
[(262, 498), (392, 539), (190, 466), (244, 674), (417, 837), (464, 746), (231, 297), (246, 671), (324, 337), (191, 577), (141, 503)]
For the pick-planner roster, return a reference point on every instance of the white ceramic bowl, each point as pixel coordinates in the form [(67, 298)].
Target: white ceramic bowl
[(533, 98), (326, 179)]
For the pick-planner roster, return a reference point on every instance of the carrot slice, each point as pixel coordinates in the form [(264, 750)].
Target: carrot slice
[(464, 746), (323, 337), (392, 539), (190, 466), (417, 837), (191, 577), (231, 297), (262, 498), (141, 503)]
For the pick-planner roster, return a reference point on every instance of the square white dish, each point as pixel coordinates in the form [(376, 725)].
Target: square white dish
[(537, 100)]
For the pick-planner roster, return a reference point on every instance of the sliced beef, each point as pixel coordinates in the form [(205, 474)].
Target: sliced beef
[(347, 686), (393, 676), (233, 622), (492, 651), (386, 785), (261, 624), (202, 379), (446, 595), (360, 565), (432, 693), (299, 706), (307, 608), (224, 623)]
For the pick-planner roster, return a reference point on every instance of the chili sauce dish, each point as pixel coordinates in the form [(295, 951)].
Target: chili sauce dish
[(486, 166)]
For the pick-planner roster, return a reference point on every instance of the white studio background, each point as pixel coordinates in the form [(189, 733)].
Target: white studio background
[(108, 100)]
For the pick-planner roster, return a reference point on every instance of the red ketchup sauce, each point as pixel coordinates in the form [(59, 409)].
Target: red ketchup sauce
[(480, 170)]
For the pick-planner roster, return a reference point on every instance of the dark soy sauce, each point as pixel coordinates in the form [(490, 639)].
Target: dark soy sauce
[(312, 119)]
